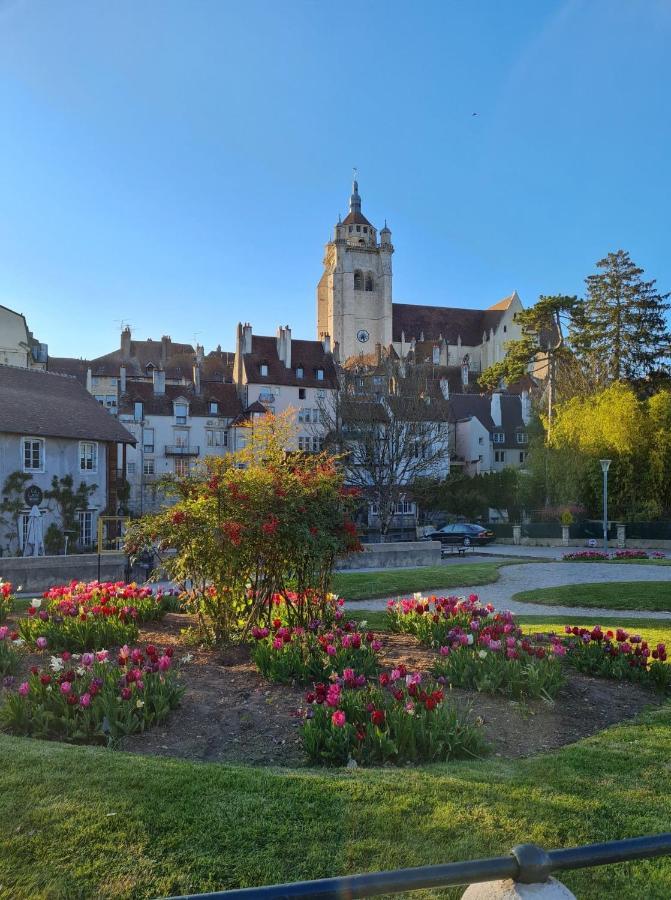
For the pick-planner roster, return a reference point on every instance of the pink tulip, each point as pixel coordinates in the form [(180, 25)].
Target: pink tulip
[(338, 718), (66, 687), (24, 687), (41, 643)]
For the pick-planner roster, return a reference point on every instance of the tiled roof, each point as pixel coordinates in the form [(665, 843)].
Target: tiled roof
[(355, 218), (309, 355), (178, 362), (464, 406), (162, 405), (433, 322), (44, 404), (66, 365)]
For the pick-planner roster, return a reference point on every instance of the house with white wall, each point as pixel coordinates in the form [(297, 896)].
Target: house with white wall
[(18, 347), (51, 427), (491, 432)]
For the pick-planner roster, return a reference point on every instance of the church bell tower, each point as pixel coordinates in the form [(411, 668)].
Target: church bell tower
[(354, 292)]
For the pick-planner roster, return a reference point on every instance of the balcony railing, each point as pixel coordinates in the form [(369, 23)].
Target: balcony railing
[(179, 450)]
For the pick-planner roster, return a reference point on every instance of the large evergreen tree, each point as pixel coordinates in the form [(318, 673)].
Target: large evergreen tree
[(621, 331)]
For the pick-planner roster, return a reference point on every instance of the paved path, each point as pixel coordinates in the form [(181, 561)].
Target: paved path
[(524, 577)]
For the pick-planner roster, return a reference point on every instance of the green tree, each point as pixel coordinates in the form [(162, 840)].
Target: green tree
[(542, 347), (620, 330), (12, 505), (68, 500)]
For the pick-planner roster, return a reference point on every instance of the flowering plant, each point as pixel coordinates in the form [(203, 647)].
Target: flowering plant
[(400, 718), (6, 599), (10, 651), (432, 619), (586, 556), (93, 698), (617, 654), (283, 653), (631, 554)]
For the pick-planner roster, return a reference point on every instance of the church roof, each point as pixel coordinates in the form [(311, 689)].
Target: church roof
[(355, 218), (432, 322)]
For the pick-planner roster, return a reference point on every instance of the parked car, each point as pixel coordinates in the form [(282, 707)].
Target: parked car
[(463, 533)]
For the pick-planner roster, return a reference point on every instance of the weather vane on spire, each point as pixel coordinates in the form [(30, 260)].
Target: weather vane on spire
[(355, 173)]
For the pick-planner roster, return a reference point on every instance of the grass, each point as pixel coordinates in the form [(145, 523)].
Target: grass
[(625, 562), (397, 582), (87, 822), (648, 595)]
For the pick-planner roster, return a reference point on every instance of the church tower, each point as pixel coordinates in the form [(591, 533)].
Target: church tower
[(354, 292)]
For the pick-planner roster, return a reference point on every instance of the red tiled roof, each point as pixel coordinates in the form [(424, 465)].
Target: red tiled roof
[(45, 404), (309, 355), (355, 218)]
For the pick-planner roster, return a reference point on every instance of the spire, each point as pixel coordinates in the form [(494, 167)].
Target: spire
[(355, 199)]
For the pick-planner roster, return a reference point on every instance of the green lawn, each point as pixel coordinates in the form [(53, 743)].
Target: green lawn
[(625, 562), (83, 822), (397, 582), (654, 595)]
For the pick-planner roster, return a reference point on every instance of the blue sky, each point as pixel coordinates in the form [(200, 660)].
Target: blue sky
[(180, 165)]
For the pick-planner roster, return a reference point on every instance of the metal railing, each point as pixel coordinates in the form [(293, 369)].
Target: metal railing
[(526, 863), (180, 450)]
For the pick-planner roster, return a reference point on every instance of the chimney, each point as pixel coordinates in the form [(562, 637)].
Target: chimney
[(196, 378), (284, 345), (464, 371), (378, 353), (246, 338), (159, 382), (445, 388), (122, 380), (496, 409), (89, 380), (200, 353), (326, 342), (125, 343), (526, 407), (165, 348)]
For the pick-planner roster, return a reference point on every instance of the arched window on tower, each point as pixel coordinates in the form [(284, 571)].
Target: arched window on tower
[(358, 280), (369, 281)]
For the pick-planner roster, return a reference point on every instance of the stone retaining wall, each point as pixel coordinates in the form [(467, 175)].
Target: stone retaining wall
[(402, 554), (37, 573)]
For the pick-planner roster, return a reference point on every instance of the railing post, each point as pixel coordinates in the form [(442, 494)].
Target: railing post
[(621, 536), (517, 534)]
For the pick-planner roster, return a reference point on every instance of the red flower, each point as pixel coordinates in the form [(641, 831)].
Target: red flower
[(178, 517), (270, 527), (377, 717)]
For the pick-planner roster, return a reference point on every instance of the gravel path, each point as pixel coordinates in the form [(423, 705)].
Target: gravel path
[(524, 577)]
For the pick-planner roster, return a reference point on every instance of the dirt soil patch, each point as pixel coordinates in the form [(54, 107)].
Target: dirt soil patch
[(230, 713)]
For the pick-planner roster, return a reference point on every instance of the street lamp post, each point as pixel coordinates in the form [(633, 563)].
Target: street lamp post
[(605, 463)]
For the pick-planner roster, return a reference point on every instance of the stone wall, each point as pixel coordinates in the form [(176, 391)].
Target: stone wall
[(36, 574), (403, 554)]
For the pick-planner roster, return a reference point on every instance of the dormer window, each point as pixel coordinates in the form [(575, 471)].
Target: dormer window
[(214, 408), (264, 370), (149, 368), (181, 413), (299, 371), (138, 411), (320, 374)]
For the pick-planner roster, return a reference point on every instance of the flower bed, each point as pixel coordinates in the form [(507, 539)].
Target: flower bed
[(401, 718), (90, 616), (286, 654), (586, 556), (6, 600), (617, 654), (480, 649), (93, 698)]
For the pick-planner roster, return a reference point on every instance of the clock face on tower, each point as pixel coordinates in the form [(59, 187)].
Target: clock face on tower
[(362, 335)]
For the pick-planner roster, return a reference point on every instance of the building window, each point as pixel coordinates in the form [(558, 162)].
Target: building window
[(301, 393), (88, 456), (321, 394), (148, 467), (181, 412), (148, 440), (264, 370), (24, 521), (369, 282), (358, 280), (299, 372), (358, 228), (499, 456), (481, 440), (181, 467), (214, 408), (216, 437), (303, 414), (85, 528), (522, 437), (320, 374), (33, 455), (523, 456), (405, 507), (130, 468), (181, 438), (138, 411), (365, 229), (350, 229), (499, 437)]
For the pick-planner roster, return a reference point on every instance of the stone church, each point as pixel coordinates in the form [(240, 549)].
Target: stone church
[(355, 306)]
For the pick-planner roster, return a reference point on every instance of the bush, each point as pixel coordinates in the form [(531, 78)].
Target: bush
[(250, 525), (617, 654), (10, 652), (285, 654), (92, 699), (6, 599), (403, 718)]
